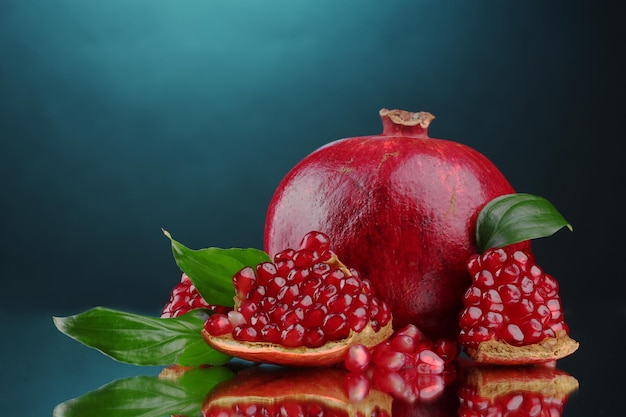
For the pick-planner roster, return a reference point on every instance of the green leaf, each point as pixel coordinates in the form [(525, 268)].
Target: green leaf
[(142, 340), (513, 218), (145, 396), (211, 270)]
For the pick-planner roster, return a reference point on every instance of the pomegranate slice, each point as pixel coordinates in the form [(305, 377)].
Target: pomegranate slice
[(305, 308), (512, 311), (267, 391)]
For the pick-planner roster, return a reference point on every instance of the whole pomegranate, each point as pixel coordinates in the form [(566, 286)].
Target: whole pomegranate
[(400, 208)]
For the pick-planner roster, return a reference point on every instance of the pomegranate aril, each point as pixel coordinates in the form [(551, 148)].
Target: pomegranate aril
[(304, 258), (315, 241), (339, 303), (283, 267), (336, 326), (513, 334), (236, 318), (358, 358), (247, 309), (291, 317), (288, 294), (292, 336), (273, 287), (271, 333), (246, 333), (314, 337), (309, 285), (243, 281), (402, 343), (390, 360), (218, 324), (472, 296), (314, 316), (358, 319), (264, 272), (285, 255)]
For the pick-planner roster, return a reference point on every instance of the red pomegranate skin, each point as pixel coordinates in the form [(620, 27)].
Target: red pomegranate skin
[(400, 207)]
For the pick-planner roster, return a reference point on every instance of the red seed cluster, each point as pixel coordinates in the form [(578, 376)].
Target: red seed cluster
[(407, 365), (302, 298), (184, 297), (510, 299)]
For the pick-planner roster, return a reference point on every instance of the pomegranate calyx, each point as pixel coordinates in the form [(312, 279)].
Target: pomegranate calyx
[(497, 352), (330, 353), (407, 118)]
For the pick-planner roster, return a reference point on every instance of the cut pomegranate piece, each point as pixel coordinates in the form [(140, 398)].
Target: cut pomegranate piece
[(514, 316), (306, 308)]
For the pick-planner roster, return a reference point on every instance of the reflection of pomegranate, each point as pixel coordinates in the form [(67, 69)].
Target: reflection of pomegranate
[(510, 391), (400, 208), (275, 391)]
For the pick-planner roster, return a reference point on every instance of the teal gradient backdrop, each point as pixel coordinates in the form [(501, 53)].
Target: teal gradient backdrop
[(122, 117), (118, 118)]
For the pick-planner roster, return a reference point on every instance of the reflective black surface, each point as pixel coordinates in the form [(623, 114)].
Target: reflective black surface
[(43, 368)]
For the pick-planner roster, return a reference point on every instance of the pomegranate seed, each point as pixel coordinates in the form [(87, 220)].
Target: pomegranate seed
[(246, 333), (265, 271), (358, 358), (314, 337), (292, 336), (218, 324), (315, 241), (390, 360), (243, 281), (336, 326)]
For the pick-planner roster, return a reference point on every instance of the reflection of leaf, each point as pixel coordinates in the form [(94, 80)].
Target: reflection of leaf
[(146, 396)]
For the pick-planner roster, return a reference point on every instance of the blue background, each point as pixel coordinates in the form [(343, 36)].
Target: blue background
[(119, 118)]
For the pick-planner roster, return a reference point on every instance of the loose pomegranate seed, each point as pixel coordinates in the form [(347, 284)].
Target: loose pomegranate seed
[(358, 358)]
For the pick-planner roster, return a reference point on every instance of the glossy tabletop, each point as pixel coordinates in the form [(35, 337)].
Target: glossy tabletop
[(43, 368)]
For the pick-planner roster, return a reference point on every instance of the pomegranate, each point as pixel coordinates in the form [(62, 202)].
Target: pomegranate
[(272, 391), (512, 311), (304, 308), (400, 207), (509, 391), (184, 297)]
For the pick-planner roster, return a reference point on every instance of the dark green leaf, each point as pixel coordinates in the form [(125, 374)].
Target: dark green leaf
[(211, 270), (513, 218), (142, 340), (145, 396)]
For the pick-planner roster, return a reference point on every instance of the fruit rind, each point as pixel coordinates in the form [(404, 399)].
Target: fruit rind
[(330, 353), (500, 353)]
